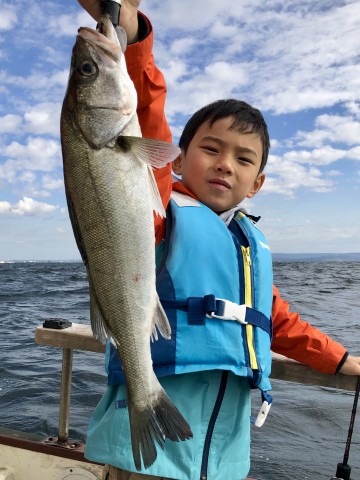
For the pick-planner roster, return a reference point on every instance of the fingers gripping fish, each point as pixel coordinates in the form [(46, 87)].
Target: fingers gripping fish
[(111, 194)]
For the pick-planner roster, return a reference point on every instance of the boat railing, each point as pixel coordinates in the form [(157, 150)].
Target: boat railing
[(79, 337)]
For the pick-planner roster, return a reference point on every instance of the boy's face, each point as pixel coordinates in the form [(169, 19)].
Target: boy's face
[(221, 166)]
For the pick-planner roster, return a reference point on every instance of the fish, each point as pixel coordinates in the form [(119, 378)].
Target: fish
[(112, 195)]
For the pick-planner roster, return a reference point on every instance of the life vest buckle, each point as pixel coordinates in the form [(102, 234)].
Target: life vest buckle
[(226, 310), (263, 413)]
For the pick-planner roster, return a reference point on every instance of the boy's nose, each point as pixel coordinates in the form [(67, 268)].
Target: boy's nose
[(224, 165)]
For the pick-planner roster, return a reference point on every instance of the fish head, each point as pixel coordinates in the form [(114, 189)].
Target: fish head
[(101, 98)]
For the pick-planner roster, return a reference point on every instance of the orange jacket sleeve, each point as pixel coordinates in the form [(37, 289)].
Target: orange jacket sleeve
[(298, 340), (151, 90)]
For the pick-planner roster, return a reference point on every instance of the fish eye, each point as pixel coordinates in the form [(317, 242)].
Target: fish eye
[(87, 69)]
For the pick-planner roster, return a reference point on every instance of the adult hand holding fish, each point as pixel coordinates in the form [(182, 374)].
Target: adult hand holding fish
[(111, 194), (128, 19)]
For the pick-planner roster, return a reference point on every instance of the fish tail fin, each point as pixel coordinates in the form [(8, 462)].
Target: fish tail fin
[(160, 322), (157, 421)]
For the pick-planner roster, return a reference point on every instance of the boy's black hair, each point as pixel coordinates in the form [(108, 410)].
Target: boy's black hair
[(247, 119)]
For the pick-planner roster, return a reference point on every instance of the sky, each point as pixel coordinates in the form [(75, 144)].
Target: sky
[(297, 61)]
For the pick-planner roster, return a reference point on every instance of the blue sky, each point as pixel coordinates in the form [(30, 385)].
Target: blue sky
[(298, 61)]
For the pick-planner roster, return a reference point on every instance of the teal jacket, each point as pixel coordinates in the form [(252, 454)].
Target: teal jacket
[(215, 360)]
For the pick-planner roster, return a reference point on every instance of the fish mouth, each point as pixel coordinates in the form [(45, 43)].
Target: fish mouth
[(220, 183), (101, 42)]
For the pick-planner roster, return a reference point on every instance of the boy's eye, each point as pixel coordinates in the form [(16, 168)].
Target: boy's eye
[(245, 160), (210, 149)]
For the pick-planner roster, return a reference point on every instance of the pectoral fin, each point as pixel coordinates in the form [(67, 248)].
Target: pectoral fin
[(98, 325), (153, 152), (157, 204)]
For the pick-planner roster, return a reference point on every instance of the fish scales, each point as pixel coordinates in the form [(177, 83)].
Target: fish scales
[(111, 195)]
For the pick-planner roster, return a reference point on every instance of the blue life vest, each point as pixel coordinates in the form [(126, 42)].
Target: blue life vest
[(215, 284)]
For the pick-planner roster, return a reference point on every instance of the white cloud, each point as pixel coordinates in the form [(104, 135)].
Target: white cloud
[(37, 154), (288, 95), (27, 207), (8, 17), (36, 80), (26, 176), (282, 74), (3, 89), (318, 156), (5, 207), (275, 143), (195, 16), (287, 174), (319, 70), (182, 46), (10, 123), (221, 29), (52, 183), (40, 119), (353, 153), (174, 70), (331, 129), (229, 75), (51, 17), (217, 80), (43, 118), (354, 108), (335, 173), (24, 160), (67, 25)]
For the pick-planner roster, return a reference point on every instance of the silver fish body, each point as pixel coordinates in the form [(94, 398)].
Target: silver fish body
[(111, 194)]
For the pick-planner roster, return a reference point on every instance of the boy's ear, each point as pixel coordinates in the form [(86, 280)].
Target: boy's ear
[(260, 179), (177, 164)]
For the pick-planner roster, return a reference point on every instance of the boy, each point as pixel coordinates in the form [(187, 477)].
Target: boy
[(224, 149)]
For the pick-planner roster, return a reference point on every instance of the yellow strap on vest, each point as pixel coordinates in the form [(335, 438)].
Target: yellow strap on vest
[(248, 301)]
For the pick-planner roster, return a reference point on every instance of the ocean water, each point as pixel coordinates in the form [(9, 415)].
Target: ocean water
[(305, 434)]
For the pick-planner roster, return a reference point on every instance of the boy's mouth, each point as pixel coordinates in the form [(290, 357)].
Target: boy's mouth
[(219, 183)]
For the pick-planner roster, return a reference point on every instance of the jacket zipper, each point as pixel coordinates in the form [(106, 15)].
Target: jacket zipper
[(211, 426), (249, 302)]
